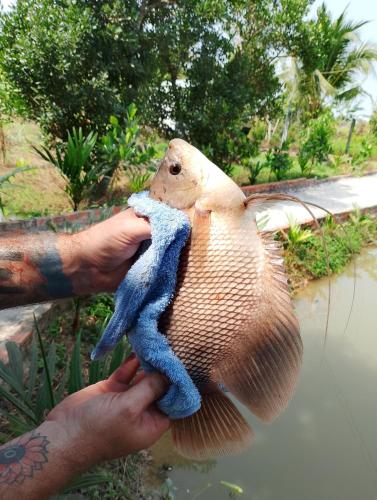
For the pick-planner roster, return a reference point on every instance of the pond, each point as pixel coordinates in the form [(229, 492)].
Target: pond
[(325, 444)]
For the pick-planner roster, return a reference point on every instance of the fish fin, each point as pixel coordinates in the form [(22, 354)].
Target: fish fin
[(262, 365), (217, 428)]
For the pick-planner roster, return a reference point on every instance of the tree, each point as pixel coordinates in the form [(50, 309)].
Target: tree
[(75, 63), (195, 69), (326, 61), (217, 68)]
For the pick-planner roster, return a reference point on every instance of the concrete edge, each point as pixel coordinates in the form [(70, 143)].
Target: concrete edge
[(295, 183), (24, 334)]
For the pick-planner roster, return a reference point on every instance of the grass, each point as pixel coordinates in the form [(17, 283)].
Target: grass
[(305, 257), (37, 192)]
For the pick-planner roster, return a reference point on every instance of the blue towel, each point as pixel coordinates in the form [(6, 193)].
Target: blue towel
[(144, 294)]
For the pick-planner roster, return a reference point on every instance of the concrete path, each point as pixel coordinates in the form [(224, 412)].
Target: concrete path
[(339, 196)]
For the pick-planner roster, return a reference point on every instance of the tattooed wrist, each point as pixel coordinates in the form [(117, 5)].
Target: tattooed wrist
[(40, 463), (22, 458)]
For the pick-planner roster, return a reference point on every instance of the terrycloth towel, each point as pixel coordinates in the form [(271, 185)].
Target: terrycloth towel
[(144, 294)]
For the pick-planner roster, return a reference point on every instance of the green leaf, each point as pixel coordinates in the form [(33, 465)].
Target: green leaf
[(75, 381), (232, 487), (117, 357), (59, 393), (32, 369), (49, 366), (48, 377), (87, 480), (95, 371), (114, 121), (17, 424), (8, 376), (6, 177), (18, 404), (15, 361)]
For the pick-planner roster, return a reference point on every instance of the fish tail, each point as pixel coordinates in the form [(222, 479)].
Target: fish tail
[(217, 428)]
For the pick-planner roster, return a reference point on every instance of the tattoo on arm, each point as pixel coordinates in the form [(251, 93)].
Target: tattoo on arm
[(31, 270), (21, 458)]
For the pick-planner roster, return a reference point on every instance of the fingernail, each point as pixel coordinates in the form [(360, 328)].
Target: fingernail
[(131, 356)]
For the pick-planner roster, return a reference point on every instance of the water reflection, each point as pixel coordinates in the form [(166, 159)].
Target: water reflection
[(325, 445)]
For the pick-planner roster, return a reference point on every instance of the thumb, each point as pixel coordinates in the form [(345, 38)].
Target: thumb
[(141, 395)]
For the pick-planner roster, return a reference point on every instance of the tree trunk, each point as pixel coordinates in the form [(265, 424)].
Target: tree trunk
[(2, 143), (352, 128)]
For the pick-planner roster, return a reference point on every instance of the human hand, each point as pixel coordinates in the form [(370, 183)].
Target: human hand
[(102, 253), (112, 418)]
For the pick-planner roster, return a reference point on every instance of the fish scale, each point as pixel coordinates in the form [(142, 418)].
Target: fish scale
[(216, 283)]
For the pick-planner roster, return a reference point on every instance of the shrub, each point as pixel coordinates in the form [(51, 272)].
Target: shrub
[(315, 141), (279, 162), (124, 147), (74, 161)]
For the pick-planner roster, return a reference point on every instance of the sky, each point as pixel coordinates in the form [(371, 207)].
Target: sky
[(357, 10)]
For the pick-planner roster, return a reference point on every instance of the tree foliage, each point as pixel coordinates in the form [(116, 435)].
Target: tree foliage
[(195, 69), (327, 59)]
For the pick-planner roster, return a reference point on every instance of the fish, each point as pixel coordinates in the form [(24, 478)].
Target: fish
[(231, 321)]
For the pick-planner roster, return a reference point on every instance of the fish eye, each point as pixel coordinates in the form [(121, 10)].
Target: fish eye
[(175, 168)]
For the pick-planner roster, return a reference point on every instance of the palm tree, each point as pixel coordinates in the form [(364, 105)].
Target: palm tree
[(327, 62)]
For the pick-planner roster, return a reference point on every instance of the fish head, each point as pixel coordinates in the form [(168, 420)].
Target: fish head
[(186, 179)]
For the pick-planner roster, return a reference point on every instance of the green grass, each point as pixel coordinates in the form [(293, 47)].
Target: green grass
[(306, 260), (36, 192)]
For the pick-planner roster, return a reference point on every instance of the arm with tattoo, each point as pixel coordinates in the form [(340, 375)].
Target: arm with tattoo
[(106, 420), (47, 266)]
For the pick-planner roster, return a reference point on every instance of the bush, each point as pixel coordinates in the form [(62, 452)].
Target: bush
[(238, 144), (279, 162), (124, 147), (315, 141), (74, 161)]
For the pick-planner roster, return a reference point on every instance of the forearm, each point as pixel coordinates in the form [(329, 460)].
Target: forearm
[(43, 266), (47, 266), (41, 463)]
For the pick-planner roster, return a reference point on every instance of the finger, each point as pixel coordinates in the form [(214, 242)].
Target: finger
[(141, 224), (120, 379), (148, 390), (138, 378)]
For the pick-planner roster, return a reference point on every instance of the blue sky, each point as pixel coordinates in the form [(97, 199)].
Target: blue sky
[(357, 10)]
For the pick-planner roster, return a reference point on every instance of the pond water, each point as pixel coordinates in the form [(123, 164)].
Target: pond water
[(324, 447)]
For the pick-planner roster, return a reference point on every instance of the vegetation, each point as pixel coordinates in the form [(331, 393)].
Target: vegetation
[(316, 142), (305, 255), (329, 56), (74, 162), (5, 181)]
